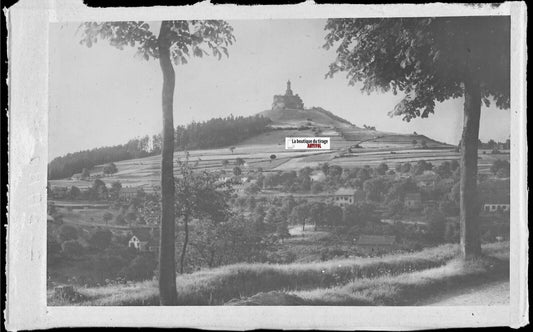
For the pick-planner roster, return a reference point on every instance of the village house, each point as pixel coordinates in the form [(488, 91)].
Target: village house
[(413, 201), (342, 197), (144, 240)]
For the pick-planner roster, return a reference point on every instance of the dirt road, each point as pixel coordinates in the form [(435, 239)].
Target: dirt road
[(491, 293)]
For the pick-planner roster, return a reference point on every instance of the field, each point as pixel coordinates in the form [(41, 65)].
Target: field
[(145, 172)]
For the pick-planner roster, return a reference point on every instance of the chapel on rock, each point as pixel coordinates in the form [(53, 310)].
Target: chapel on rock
[(288, 100)]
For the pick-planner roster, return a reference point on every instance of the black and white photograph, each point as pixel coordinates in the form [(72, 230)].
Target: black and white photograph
[(316, 162)]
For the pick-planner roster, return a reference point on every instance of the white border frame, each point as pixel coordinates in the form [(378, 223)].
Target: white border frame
[(28, 23)]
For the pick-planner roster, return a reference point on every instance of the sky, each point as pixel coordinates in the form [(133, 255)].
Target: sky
[(102, 96)]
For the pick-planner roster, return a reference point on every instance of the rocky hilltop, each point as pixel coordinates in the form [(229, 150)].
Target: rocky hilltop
[(288, 111)]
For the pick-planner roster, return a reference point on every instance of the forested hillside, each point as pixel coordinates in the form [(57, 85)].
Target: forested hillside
[(214, 133), (71, 163), (219, 132)]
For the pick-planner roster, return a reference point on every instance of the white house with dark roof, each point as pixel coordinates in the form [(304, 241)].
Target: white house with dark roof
[(342, 197), (144, 239)]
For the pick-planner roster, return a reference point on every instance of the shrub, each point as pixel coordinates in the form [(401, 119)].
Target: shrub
[(451, 233), (110, 168), (140, 268), (119, 219), (67, 233), (252, 188), (382, 169), (101, 239), (74, 192), (436, 225), (317, 187), (109, 263), (71, 248), (53, 251), (237, 171), (501, 168)]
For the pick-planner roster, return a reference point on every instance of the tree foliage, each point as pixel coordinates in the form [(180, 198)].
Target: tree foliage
[(186, 38), (140, 268), (430, 60), (176, 41), (71, 248), (424, 58), (71, 163), (501, 168), (110, 168), (67, 233), (219, 132), (101, 239)]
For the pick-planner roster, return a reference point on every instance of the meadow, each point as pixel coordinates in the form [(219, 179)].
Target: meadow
[(399, 279)]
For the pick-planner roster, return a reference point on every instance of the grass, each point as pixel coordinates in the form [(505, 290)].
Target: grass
[(218, 286), (409, 288)]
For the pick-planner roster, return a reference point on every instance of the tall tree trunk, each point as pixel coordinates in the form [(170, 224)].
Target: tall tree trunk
[(185, 241), (469, 209), (167, 264)]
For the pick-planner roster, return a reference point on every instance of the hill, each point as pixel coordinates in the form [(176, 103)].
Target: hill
[(255, 139), (317, 121), (312, 117)]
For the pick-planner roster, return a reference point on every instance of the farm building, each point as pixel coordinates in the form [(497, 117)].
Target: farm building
[(376, 242), (413, 201), (144, 240), (342, 197)]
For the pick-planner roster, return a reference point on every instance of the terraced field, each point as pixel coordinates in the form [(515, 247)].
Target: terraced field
[(145, 172)]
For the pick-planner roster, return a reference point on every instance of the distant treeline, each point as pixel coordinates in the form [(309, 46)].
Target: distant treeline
[(492, 144), (72, 163), (214, 133), (219, 132)]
